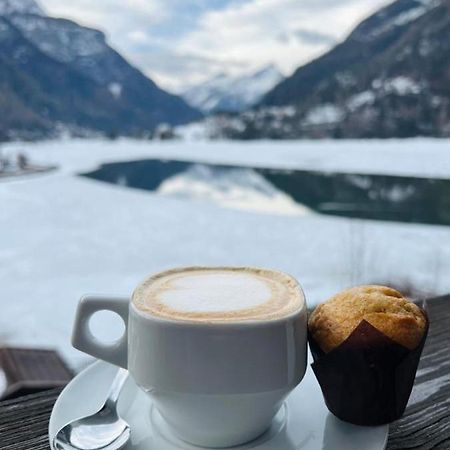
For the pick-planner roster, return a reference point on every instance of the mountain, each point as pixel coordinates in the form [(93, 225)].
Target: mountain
[(20, 7), (57, 75), (389, 78), (233, 94)]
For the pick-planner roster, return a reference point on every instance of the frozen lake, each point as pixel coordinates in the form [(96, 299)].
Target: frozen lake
[(63, 235)]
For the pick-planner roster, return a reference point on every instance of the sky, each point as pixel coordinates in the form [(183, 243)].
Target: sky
[(180, 43)]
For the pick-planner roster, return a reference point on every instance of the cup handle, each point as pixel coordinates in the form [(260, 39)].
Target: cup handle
[(84, 340)]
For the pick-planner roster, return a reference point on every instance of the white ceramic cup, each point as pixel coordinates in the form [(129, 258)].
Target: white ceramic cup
[(216, 385)]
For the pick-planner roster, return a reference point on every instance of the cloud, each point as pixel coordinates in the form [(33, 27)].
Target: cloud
[(181, 42), (113, 16), (189, 68), (250, 32)]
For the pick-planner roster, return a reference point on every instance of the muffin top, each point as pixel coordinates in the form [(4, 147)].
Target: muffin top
[(384, 308)]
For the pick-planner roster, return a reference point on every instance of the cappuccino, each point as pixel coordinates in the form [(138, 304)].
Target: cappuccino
[(224, 294)]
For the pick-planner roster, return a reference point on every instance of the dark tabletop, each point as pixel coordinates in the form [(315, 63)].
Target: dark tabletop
[(425, 425)]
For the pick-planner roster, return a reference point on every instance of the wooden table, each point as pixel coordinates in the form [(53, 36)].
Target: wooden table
[(426, 424)]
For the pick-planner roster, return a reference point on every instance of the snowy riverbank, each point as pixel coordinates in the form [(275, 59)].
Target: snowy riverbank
[(410, 157), (63, 236)]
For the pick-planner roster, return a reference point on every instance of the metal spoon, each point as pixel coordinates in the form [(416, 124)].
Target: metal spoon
[(103, 430)]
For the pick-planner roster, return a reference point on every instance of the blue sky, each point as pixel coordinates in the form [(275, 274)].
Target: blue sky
[(183, 42)]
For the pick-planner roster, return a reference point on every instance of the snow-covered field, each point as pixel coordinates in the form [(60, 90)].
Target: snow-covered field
[(412, 157), (63, 236)]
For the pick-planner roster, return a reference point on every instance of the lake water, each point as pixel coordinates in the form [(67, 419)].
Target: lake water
[(378, 197)]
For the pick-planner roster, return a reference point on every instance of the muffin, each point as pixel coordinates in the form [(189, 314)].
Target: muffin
[(384, 308), (366, 343)]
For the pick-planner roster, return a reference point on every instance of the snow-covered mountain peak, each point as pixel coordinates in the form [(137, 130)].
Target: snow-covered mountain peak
[(8, 7), (233, 93)]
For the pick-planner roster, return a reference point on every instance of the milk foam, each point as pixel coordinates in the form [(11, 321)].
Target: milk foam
[(215, 291), (219, 294)]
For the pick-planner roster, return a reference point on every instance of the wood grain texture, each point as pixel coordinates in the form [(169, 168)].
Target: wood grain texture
[(24, 422), (425, 425)]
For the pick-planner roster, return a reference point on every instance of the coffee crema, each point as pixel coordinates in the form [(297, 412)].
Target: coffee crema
[(222, 294)]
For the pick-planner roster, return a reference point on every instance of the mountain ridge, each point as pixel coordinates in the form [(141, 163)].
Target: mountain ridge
[(20, 7), (341, 56), (93, 89), (389, 78), (225, 93)]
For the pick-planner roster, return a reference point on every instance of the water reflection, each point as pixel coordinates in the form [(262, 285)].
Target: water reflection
[(378, 197)]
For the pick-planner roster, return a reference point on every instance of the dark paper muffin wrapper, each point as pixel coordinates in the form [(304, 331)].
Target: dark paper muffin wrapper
[(368, 379)]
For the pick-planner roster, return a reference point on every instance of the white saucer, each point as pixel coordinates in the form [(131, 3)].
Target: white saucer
[(304, 423)]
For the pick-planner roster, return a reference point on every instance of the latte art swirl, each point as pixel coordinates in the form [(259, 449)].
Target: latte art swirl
[(225, 294)]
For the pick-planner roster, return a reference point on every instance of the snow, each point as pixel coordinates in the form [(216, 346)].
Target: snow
[(415, 12), (429, 158), (197, 131), (324, 114), (233, 93), (410, 16), (426, 46), (63, 236), (19, 6), (63, 40), (115, 89), (402, 85), (283, 111), (363, 98)]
